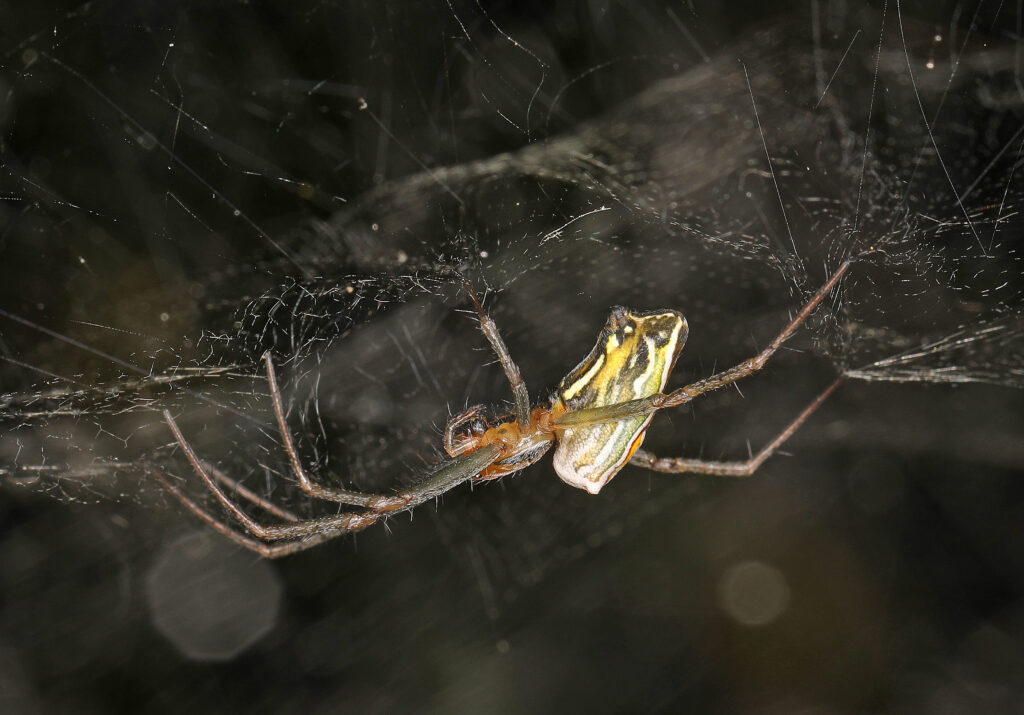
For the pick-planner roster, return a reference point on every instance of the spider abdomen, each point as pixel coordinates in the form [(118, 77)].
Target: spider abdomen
[(632, 359)]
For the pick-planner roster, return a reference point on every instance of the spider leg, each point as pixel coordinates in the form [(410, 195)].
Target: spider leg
[(319, 530), (350, 521), (270, 551), (252, 497), (642, 458), (490, 330), (343, 496), (450, 475), (660, 401), (446, 478), (748, 367)]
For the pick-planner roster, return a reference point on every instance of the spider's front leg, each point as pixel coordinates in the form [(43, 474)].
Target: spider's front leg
[(307, 534), (342, 496), (304, 534), (474, 456)]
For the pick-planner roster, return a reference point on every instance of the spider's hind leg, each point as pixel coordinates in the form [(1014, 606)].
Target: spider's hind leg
[(687, 393), (677, 465), (270, 551)]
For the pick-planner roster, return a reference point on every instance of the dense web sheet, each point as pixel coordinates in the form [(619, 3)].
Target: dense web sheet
[(188, 191), (749, 168)]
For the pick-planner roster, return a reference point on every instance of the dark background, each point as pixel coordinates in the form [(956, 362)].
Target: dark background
[(185, 186)]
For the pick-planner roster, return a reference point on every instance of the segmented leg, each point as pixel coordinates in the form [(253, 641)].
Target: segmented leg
[(747, 367), (343, 496), (306, 534), (490, 330), (270, 551), (643, 458), (660, 401), (250, 496)]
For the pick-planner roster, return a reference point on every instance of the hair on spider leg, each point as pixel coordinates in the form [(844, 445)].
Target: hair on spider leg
[(596, 422)]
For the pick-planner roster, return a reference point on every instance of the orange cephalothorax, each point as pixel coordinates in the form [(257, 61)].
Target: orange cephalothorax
[(520, 446)]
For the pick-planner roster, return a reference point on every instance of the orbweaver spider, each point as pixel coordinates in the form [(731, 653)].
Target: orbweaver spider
[(598, 417)]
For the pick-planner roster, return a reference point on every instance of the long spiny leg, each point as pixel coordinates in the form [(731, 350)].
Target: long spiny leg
[(350, 521), (730, 469), (747, 367), (270, 551), (252, 497), (448, 477), (645, 405), (343, 496), (490, 330)]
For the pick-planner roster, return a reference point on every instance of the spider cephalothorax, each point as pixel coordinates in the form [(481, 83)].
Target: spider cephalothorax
[(522, 445)]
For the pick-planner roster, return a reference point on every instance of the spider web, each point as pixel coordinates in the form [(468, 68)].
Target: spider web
[(186, 199)]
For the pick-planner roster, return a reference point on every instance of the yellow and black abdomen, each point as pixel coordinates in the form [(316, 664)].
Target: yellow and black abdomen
[(633, 358)]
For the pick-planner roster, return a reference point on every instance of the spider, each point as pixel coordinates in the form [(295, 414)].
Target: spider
[(596, 420)]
